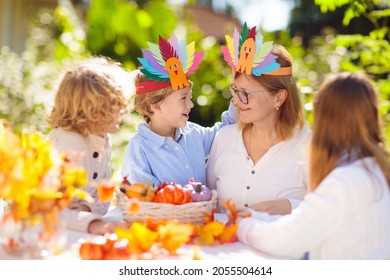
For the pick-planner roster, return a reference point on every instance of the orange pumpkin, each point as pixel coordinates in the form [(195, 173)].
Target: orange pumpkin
[(119, 250), (174, 194), (91, 251), (141, 191)]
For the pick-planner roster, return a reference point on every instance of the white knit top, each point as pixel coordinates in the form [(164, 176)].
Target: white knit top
[(95, 156), (346, 217)]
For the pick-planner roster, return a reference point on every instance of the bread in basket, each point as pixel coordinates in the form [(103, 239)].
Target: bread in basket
[(193, 212)]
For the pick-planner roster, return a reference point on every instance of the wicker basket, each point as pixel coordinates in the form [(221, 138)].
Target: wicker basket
[(192, 212)]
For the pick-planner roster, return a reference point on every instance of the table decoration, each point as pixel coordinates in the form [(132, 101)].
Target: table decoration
[(158, 238), (37, 183)]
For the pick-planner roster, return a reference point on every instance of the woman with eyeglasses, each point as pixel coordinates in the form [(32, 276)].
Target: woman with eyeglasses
[(259, 163)]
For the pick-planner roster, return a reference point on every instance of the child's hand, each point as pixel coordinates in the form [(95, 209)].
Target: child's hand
[(101, 227)]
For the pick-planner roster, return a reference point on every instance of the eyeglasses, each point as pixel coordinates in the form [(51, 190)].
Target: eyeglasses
[(243, 96)]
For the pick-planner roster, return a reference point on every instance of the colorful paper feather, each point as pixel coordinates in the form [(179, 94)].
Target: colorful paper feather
[(195, 63), (170, 60), (166, 49), (183, 52), (262, 61), (153, 62), (243, 37), (236, 41)]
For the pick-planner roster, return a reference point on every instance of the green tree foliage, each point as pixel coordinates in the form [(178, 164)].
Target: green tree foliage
[(25, 90), (119, 29), (369, 53)]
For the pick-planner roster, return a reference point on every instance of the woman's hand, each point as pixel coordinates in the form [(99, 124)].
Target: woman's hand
[(273, 207), (79, 207), (238, 215)]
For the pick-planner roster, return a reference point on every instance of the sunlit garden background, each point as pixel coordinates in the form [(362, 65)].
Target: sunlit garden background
[(323, 36)]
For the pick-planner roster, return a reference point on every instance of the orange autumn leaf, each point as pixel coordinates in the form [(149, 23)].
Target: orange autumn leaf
[(231, 213), (134, 206), (141, 239), (209, 231), (173, 235), (151, 224), (229, 234), (195, 233), (105, 191), (209, 217), (196, 253)]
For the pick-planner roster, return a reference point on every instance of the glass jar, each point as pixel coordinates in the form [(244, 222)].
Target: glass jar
[(22, 240)]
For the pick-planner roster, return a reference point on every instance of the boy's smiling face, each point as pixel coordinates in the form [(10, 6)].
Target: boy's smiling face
[(173, 112)]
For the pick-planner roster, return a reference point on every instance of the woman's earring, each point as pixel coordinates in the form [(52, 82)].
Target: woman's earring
[(276, 107)]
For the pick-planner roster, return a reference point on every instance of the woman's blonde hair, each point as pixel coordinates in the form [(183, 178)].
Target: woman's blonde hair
[(347, 125), (291, 113), (89, 97), (143, 102)]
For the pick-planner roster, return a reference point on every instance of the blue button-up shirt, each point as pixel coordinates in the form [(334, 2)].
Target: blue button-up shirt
[(151, 158)]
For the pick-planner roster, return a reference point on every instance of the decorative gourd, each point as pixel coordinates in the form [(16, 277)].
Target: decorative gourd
[(198, 191), (174, 194), (141, 191), (163, 184)]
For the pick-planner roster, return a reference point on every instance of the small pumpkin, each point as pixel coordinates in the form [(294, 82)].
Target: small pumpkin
[(198, 191), (91, 251), (174, 194), (141, 191)]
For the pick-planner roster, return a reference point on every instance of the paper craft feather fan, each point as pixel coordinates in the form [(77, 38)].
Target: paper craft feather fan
[(246, 52), (170, 61)]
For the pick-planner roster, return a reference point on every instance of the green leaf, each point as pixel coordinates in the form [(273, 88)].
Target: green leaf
[(330, 5), (380, 13), (379, 33), (353, 11)]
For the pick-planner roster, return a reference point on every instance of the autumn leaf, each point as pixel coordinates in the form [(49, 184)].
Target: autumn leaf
[(229, 234), (151, 224), (173, 235), (134, 206), (141, 239), (196, 253), (231, 213), (209, 231), (195, 233), (105, 191), (209, 217), (83, 195)]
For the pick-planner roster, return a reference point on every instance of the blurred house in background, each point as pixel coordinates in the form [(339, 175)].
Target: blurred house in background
[(14, 20), (212, 23)]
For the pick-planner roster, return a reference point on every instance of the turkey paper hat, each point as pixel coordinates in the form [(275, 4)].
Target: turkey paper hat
[(247, 53), (168, 64)]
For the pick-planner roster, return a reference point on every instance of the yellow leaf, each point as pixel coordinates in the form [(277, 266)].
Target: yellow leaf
[(209, 231), (83, 195), (141, 239), (229, 234), (173, 235)]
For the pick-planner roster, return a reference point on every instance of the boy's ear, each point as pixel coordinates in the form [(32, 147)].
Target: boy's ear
[(155, 107)]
